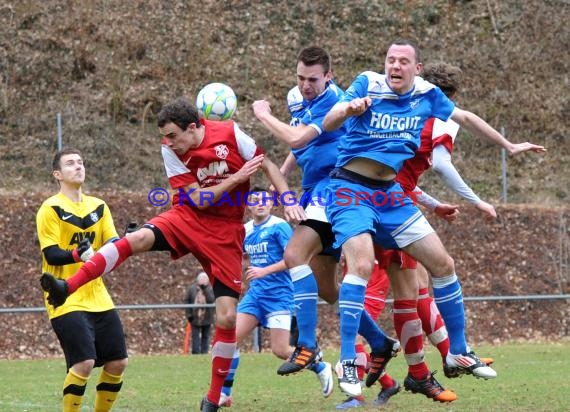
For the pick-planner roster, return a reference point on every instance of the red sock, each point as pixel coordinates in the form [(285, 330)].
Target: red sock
[(409, 330), (362, 360), (386, 381), (432, 323), (223, 350), (104, 261)]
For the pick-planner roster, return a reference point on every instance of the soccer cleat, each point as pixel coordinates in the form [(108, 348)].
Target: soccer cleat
[(326, 378), (225, 400), (487, 361), (348, 378), (57, 289), (351, 402), (207, 406), (379, 360), (386, 394), (430, 388), (299, 360), (467, 364)]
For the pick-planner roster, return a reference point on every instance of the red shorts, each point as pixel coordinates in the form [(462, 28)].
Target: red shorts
[(385, 257), (376, 292), (216, 243)]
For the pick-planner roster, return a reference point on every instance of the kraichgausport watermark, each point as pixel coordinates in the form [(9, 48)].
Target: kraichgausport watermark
[(341, 197)]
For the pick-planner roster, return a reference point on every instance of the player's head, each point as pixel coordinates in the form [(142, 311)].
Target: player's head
[(446, 76), (313, 71), (402, 65), (179, 124), (260, 202), (68, 168)]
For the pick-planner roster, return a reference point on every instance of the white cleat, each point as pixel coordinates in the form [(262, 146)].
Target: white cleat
[(470, 364), (348, 378), (326, 378)]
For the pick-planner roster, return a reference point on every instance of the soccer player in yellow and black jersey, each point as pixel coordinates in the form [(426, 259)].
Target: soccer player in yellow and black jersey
[(70, 225)]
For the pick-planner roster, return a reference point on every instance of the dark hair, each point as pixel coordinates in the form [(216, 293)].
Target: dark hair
[(56, 163), (446, 76), (256, 189), (313, 55), (180, 112), (404, 42)]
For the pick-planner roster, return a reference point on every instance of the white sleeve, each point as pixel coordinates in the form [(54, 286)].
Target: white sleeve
[(430, 203), (443, 166), (246, 145), (172, 164)]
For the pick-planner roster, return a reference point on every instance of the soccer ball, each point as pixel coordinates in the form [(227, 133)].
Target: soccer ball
[(216, 101)]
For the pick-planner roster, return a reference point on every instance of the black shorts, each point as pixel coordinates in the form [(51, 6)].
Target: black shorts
[(90, 335), (326, 234)]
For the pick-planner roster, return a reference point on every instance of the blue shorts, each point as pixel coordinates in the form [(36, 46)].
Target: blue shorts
[(385, 212), (271, 312)]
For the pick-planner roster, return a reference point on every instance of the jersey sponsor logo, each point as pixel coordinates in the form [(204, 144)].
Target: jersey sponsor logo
[(79, 236), (66, 217), (256, 248), (387, 122), (187, 161), (213, 169), (222, 151), (94, 217)]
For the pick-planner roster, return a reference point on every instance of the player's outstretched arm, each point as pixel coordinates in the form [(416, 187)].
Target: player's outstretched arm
[(480, 128), (343, 110), (294, 136), (445, 169)]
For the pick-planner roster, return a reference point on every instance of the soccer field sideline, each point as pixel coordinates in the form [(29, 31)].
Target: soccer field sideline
[(532, 377)]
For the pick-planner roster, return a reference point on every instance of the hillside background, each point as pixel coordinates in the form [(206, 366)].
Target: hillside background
[(108, 66)]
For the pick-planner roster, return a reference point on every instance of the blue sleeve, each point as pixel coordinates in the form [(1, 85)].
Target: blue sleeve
[(358, 88), (442, 105), (283, 234)]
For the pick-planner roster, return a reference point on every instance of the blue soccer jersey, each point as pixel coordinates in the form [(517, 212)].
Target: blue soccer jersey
[(265, 245), (318, 157), (389, 131)]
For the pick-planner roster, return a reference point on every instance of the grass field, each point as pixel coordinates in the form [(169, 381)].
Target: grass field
[(532, 377)]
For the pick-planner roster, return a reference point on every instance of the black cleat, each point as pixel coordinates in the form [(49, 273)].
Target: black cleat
[(299, 360), (430, 388), (379, 360), (207, 406), (56, 289), (385, 394)]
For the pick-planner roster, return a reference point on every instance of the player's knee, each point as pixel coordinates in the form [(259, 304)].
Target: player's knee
[(84, 368), (226, 319), (116, 367), (291, 257), (443, 266)]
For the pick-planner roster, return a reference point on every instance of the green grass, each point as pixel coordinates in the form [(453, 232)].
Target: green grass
[(532, 377)]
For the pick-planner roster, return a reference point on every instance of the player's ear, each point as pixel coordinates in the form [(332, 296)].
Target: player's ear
[(419, 68)]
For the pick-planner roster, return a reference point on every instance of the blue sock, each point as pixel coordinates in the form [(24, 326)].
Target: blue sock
[(317, 367), (305, 295), (373, 334), (449, 300), (350, 305), (229, 382)]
